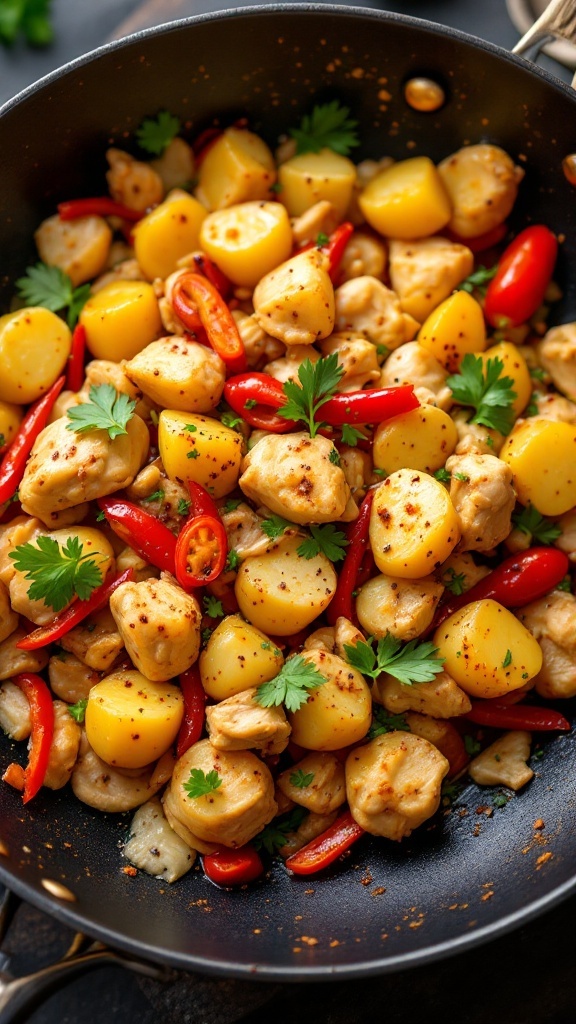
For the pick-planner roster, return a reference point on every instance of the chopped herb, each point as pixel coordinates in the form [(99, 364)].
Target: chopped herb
[(462, 478), (51, 288), (532, 407), (155, 134), (455, 582), (334, 457), (183, 507), (478, 279), (525, 675), (501, 799), (2, 440), (101, 517), (414, 662), (530, 521), (472, 746), (507, 659), (326, 539), (380, 472), (250, 403), (290, 687), (58, 572), (351, 436), (322, 239), (155, 496), (275, 835), (318, 382), (301, 779), (565, 584), (489, 441), (107, 409), (194, 454), (497, 757), (228, 417), (154, 417), (30, 17), (206, 634), (451, 792), (538, 755), (483, 387), (443, 475), (78, 710), (276, 187), (383, 722), (537, 373), (274, 526), (191, 428), (201, 784), (382, 351), (328, 126), (232, 562), (212, 607)]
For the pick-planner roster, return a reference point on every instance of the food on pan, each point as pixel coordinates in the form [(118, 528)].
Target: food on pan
[(288, 514)]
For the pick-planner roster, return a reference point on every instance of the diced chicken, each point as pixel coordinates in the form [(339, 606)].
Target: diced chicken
[(461, 567), (125, 270), (104, 371), (321, 218), (21, 530), (413, 364), (441, 698), (293, 475), (13, 660), (64, 747), (160, 626), (554, 407), (154, 846), (66, 400), (424, 272), (8, 617), (567, 539), (325, 784), (365, 306), (177, 373), (287, 366), (259, 347), (66, 468), (132, 182), (70, 679), (551, 620), (357, 356), (503, 763), (475, 439), (482, 182), (78, 247), (245, 534), (119, 251), (357, 468), (393, 783), (482, 492), (176, 165), (404, 608), (295, 302), (239, 723), (557, 354), (96, 642), (234, 812), (14, 712), (312, 827), (164, 498), (364, 255), (334, 638), (129, 559), (110, 789)]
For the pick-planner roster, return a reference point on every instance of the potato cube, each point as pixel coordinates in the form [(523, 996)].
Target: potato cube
[(237, 167), (247, 240), (310, 177), (168, 233), (406, 200)]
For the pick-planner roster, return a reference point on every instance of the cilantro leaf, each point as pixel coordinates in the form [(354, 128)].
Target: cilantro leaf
[(78, 710), (155, 496), (274, 526), (383, 721), (232, 562), (443, 475), (414, 662), (300, 779), (478, 279), (155, 134), (231, 505), (501, 799), (565, 584), (201, 784), (485, 389), (328, 126), (455, 582), (351, 436), (58, 572), (107, 409), (530, 521), (472, 746), (183, 506), (318, 382), (31, 17), (275, 835), (212, 607), (290, 687), (326, 539), (51, 288)]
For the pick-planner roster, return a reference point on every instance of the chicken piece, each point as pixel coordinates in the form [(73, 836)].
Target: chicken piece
[(357, 356), (164, 498), (129, 559), (293, 475), (78, 247), (312, 827), (441, 698), (366, 307), (170, 806), (177, 373), (503, 763), (64, 747), (245, 534), (176, 166), (475, 439), (334, 638), (357, 468), (404, 608), (259, 347), (8, 617), (96, 642), (461, 567), (70, 679), (412, 364), (239, 723), (287, 366), (567, 539), (554, 407), (482, 183), (321, 218), (295, 302), (13, 660), (66, 468), (325, 783), (160, 626), (234, 812), (154, 846), (125, 270), (20, 530), (482, 492), (424, 272), (14, 712), (132, 182), (110, 789), (393, 783), (557, 354), (551, 620), (364, 255), (104, 371)]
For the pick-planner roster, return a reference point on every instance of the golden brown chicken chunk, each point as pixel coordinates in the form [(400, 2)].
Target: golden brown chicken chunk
[(240, 723)]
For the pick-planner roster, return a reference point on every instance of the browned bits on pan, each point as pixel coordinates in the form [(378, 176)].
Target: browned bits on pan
[(424, 94), (4, 851), (58, 890), (569, 168)]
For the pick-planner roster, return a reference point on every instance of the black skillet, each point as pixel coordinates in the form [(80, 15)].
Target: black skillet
[(467, 876)]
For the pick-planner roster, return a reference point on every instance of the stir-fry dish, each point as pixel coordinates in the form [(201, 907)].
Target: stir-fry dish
[(288, 495)]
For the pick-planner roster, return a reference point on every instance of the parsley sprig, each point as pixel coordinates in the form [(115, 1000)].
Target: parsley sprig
[(51, 288), (274, 526), (156, 133), (414, 662), (212, 607), (318, 382), (291, 686), (478, 279), (107, 409), (58, 571), (326, 540), (78, 710), (530, 521), (201, 783), (301, 779), (30, 17), (328, 126), (454, 581), (485, 389), (383, 722), (275, 835)]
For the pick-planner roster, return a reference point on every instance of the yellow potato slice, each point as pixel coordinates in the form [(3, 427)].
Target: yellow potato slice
[(542, 457), (407, 200), (308, 178), (336, 714), (237, 656), (454, 328), (34, 347), (247, 240), (420, 439), (201, 449), (121, 319), (168, 233), (237, 167)]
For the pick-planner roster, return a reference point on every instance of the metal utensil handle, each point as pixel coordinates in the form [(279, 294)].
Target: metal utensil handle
[(558, 21)]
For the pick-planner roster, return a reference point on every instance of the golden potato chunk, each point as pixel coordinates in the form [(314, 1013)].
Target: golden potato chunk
[(406, 200), (236, 168), (248, 240), (121, 319), (34, 347), (201, 449), (337, 713), (541, 455), (168, 233), (404, 608), (237, 657), (421, 439), (310, 177), (130, 720)]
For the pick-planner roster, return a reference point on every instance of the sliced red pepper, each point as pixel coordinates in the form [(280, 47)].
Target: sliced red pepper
[(73, 615), (204, 265), (194, 696), (358, 544), (97, 206), (233, 867), (141, 531), (336, 245), (194, 298), (326, 848), (524, 272), (256, 397), (357, 407), (42, 718), (14, 462), (201, 546), (75, 367), (516, 716)]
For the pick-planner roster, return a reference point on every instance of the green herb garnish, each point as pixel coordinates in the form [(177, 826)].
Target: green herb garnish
[(155, 134), (483, 387), (51, 288), (107, 409), (383, 722), (58, 572), (201, 784), (328, 126), (291, 686), (326, 539), (530, 521), (300, 779), (414, 662), (318, 382), (275, 835)]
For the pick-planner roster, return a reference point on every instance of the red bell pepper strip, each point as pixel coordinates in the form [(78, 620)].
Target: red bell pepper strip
[(42, 718), (326, 848), (334, 249), (195, 298), (243, 391), (14, 462), (204, 265), (358, 543), (357, 407), (201, 546), (233, 867), (194, 696), (97, 206), (75, 367), (141, 531), (524, 271), (516, 716), (73, 615)]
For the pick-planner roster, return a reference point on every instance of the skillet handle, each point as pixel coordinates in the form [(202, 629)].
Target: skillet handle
[(558, 21)]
